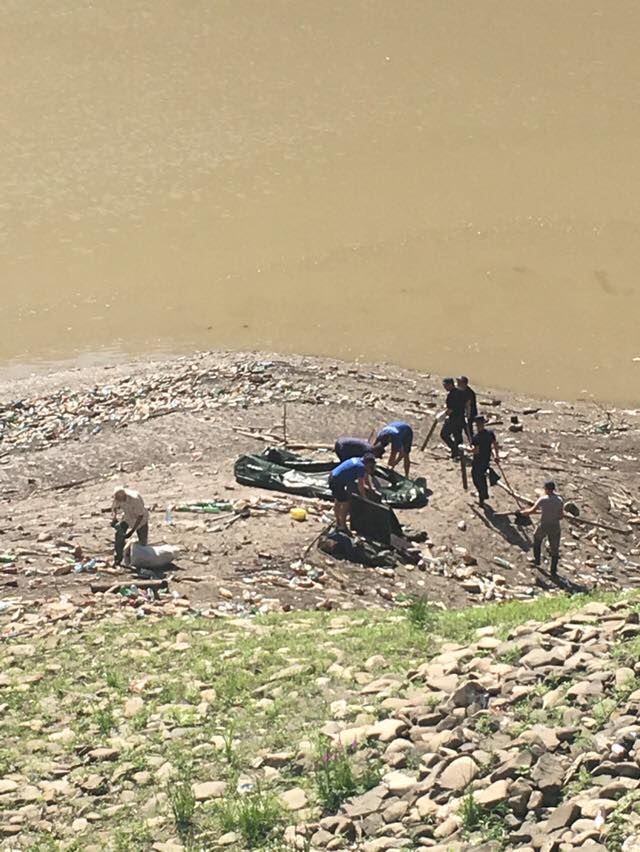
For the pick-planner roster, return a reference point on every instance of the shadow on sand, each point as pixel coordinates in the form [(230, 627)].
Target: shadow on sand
[(502, 523)]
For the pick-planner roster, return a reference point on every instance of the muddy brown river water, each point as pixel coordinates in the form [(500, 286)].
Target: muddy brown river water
[(452, 186)]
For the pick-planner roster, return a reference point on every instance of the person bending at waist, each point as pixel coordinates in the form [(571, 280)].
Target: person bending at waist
[(356, 448), (342, 480), (400, 435)]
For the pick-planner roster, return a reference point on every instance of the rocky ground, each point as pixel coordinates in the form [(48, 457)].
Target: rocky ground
[(270, 697), (173, 430), (508, 726)]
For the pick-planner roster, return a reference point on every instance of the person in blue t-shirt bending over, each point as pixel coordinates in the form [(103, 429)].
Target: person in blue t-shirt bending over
[(342, 479), (400, 435)]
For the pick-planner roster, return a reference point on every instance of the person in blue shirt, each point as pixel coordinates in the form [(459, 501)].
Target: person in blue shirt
[(342, 479), (400, 435)]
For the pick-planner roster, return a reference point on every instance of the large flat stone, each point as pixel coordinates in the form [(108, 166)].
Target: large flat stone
[(563, 817), (367, 803), (493, 794), (387, 730), (209, 790), (548, 775), (538, 657), (458, 774)]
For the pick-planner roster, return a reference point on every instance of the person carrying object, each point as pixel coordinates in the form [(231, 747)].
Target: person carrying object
[(356, 448), (400, 435), (342, 479), (482, 443), (454, 414), (551, 509), (129, 515)]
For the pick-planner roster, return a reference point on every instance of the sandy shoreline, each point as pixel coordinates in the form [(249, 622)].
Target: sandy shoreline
[(175, 437), (39, 376)]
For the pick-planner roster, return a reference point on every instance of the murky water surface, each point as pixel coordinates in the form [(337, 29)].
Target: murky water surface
[(453, 186)]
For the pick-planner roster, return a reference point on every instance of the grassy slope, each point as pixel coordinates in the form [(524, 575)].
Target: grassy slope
[(80, 682)]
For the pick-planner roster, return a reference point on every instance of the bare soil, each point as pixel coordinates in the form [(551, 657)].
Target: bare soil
[(170, 429)]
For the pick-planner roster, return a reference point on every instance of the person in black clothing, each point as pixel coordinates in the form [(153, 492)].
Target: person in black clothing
[(453, 427), (471, 404), (481, 444), (356, 448)]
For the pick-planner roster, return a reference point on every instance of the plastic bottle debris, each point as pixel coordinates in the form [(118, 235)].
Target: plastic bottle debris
[(87, 567), (213, 507)]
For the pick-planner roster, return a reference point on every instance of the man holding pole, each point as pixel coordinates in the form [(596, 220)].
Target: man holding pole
[(551, 508), (482, 444)]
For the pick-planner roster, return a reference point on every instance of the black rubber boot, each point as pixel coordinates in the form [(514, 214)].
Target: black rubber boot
[(554, 565)]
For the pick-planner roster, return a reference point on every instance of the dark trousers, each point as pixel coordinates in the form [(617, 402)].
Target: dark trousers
[(550, 531), (479, 475), (121, 539), (451, 433)]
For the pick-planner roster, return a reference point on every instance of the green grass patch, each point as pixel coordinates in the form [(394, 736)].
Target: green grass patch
[(461, 624), (183, 806), (256, 816), (484, 824), (339, 775)]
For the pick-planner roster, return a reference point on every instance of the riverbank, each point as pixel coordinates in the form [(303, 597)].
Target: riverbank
[(514, 728), (173, 429)]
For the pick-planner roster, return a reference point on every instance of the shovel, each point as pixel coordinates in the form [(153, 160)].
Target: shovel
[(508, 486)]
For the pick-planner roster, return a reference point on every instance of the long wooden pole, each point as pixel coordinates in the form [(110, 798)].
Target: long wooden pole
[(284, 424), (463, 470), (429, 434), (508, 488)]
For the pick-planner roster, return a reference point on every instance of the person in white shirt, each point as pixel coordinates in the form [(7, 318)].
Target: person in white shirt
[(129, 516)]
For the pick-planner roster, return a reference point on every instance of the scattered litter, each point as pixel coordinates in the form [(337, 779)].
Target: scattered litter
[(211, 507)]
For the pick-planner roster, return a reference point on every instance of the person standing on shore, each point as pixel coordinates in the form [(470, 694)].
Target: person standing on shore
[(551, 508), (471, 403), (400, 435), (356, 448), (482, 443), (451, 432), (129, 515), (342, 479)]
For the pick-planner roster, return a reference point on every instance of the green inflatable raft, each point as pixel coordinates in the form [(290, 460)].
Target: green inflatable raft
[(281, 470)]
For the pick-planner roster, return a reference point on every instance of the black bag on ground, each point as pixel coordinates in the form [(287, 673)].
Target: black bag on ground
[(494, 478)]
